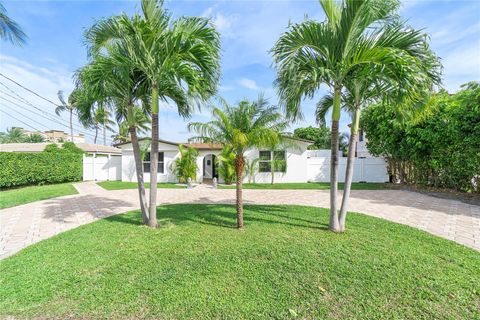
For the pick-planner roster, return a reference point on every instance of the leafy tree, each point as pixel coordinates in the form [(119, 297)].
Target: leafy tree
[(178, 58), (320, 136), (226, 164), (355, 33), (241, 127), (186, 165), (10, 30), (439, 148)]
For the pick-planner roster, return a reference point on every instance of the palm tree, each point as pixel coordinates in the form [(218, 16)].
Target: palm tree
[(355, 33), (35, 138), (10, 30), (241, 127), (179, 59), (102, 119), (13, 135), (122, 88), (140, 121), (69, 106)]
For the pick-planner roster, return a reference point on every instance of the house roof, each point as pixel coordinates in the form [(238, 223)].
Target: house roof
[(142, 139), (199, 146), (299, 139), (204, 146), (39, 147)]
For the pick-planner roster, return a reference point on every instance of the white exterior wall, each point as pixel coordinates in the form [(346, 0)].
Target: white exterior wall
[(170, 153), (364, 169), (296, 166), (101, 167), (201, 155)]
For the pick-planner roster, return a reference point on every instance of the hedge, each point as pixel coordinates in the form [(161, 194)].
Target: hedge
[(19, 169)]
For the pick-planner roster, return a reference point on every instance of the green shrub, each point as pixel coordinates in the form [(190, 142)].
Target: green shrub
[(53, 166), (226, 165), (186, 165)]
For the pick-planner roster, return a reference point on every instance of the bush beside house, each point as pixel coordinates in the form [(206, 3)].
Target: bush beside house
[(54, 165)]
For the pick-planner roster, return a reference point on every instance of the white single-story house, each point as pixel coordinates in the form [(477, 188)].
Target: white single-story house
[(302, 165), (295, 157)]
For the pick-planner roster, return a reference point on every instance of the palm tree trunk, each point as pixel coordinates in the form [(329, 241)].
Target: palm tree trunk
[(349, 172), (239, 166), (71, 125), (152, 221), (272, 169), (104, 135), (139, 168), (334, 224), (96, 134)]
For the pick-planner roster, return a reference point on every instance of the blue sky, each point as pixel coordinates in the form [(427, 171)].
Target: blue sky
[(248, 28)]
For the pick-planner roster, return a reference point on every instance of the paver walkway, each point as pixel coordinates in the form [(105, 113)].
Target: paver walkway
[(27, 224)]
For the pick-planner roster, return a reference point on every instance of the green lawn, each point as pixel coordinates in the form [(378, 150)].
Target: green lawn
[(284, 265), (120, 185), (16, 197), (309, 185)]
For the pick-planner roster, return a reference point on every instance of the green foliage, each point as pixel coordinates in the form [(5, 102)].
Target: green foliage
[(240, 127), (198, 267), (441, 148), (53, 165), (251, 167), (17, 135), (320, 136), (186, 166), (226, 165)]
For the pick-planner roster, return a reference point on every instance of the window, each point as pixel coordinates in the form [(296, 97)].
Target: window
[(265, 161), (146, 163)]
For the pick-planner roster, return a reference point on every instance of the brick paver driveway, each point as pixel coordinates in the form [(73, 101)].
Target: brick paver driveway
[(26, 224)]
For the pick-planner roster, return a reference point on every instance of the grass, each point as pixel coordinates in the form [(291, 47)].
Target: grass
[(16, 197), (284, 265), (309, 185), (120, 185)]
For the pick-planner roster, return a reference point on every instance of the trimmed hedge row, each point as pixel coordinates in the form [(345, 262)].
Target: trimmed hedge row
[(19, 169)]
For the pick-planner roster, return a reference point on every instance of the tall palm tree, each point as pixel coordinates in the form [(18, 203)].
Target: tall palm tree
[(241, 127), (355, 33), (10, 30), (112, 77), (69, 106), (179, 58)]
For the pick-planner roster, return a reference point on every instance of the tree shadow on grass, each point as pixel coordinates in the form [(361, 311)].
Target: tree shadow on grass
[(222, 215)]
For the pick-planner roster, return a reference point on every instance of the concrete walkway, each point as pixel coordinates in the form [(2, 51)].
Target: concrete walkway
[(24, 225)]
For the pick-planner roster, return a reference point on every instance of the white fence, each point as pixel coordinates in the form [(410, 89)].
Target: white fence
[(101, 167), (365, 169)]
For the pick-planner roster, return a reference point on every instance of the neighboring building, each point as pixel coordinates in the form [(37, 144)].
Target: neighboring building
[(362, 151), (61, 136), (56, 136)]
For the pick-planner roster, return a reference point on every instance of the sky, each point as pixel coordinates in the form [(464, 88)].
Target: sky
[(55, 50)]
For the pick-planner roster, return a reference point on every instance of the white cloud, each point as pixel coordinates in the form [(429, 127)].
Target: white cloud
[(222, 23), (249, 84)]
